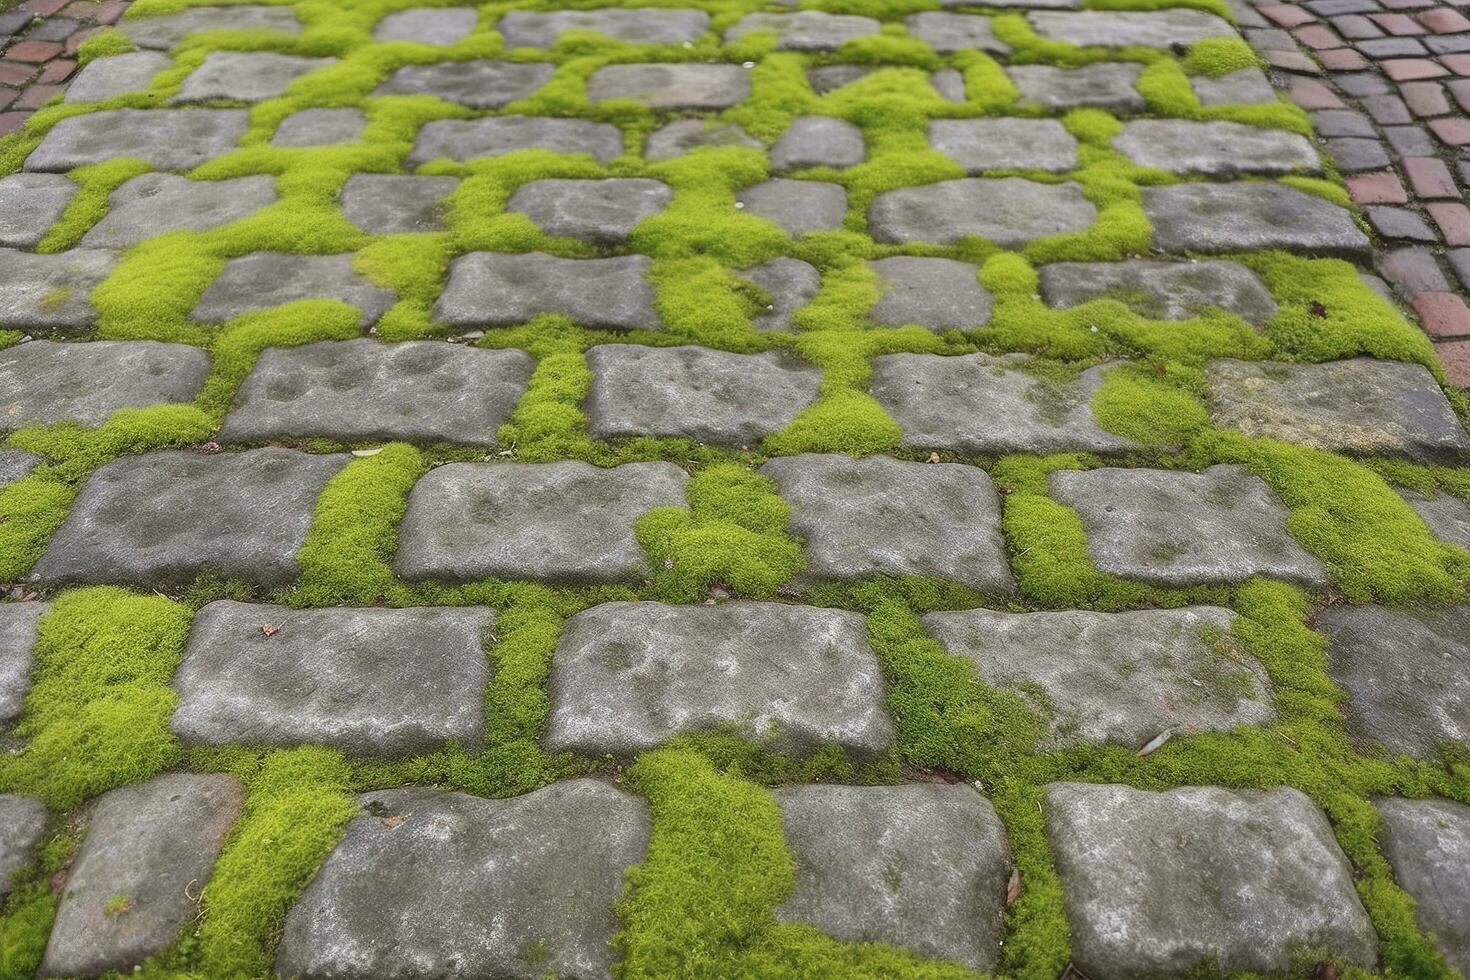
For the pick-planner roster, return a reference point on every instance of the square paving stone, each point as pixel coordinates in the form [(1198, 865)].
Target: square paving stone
[(153, 845), (598, 211), (496, 288), (950, 84), (931, 292), (1220, 149), (15, 464), (1159, 884), (121, 74), (18, 621), (467, 139), (881, 516), (923, 866), (29, 205), (320, 127), (262, 280), (688, 135), (51, 290), (1428, 844), (819, 141), (696, 393), (996, 144), (1244, 217), (480, 84), (626, 676), (674, 86), (564, 522), (164, 517), (393, 204), (1105, 85), (806, 30), (428, 25), (791, 284), (432, 883), (246, 76), (42, 382), (372, 681), (22, 824), (169, 139), (982, 404), (1447, 516), (1010, 211), (351, 390), (1175, 528), (1249, 86), (155, 204), (947, 33), (169, 29), (1114, 28), (1120, 678), (797, 206), (633, 25), (1161, 290)]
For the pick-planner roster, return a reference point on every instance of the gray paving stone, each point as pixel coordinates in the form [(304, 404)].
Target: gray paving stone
[(671, 86), (149, 848), (1447, 516), (1010, 211), (566, 522), (1342, 122), (1428, 844), (1243, 217), (829, 78), (994, 144), (633, 25), (1353, 155), (696, 393), (1105, 85), (1231, 880), (628, 675), (1120, 678), (932, 292), (950, 84), (409, 891), (791, 284), (370, 681), (42, 382), (923, 866), (1217, 148), (15, 464), (1361, 406), (483, 84), (394, 204), (164, 517), (806, 30), (1119, 28), (466, 139), (1020, 4), (18, 622), (881, 516), (155, 204), (945, 32), (819, 141), (351, 390), (119, 74), (982, 404), (1406, 675), (427, 25), (688, 135), (1178, 528), (246, 76), (796, 206), (320, 127), (165, 31), (29, 205), (499, 288), (1161, 290), (1248, 86), (599, 211), (169, 139), (262, 280), (22, 822), (51, 290)]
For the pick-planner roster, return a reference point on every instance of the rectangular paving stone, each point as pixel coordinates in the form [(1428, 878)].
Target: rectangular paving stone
[(818, 141), (262, 280), (169, 29), (18, 623), (246, 76), (155, 204), (42, 382), (805, 30), (598, 211), (671, 86), (1009, 211), (979, 145), (1120, 28), (564, 522), (628, 675), (497, 288), (51, 291), (1248, 86), (632, 25), (15, 464), (352, 390), (930, 292), (1161, 290), (483, 84), (1448, 516), (683, 136), (22, 825), (1242, 217), (797, 206), (29, 205), (1217, 148), (946, 32), (372, 681), (1104, 85), (467, 139), (320, 127), (120, 74), (1428, 844), (427, 25), (395, 204), (169, 139)]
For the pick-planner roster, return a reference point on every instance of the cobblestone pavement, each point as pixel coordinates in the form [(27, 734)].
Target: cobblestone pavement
[(729, 491)]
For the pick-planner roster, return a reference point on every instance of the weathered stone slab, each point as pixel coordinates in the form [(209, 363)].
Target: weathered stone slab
[(694, 392), (320, 127), (1010, 211), (1105, 85), (500, 288), (18, 622), (1177, 528), (932, 292), (946, 32), (567, 521), (1121, 678), (796, 206), (632, 25), (791, 284), (922, 866), (164, 517), (136, 879), (418, 391), (428, 25), (688, 135), (169, 139), (599, 211), (994, 144), (394, 204), (982, 404), (409, 891), (483, 84), (1428, 844), (1217, 148), (1249, 86), (1157, 884), (22, 822), (806, 30), (672, 86), (1356, 406), (950, 84), (1447, 516), (1120, 28), (29, 205), (628, 675), (168, 30), (154, 204), (374, 681), (119, 74), (246, 76), (51, 290), (15, 464), (1406, 675), (466, 139), (1161, 290), (1242, 217), (42, 382), (262, 280), (819, 141), (829, 78), (881, 516)]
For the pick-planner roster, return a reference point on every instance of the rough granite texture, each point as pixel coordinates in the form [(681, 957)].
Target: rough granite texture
[(395, 204), (168, 139), (947, 33), (1206, 217), (29, 205), (427, 25), (263, 280), (791, 284), (16, 463), (806, 30), (165, 31), (603, 212), (22, 824), (818, 141), (1009, 211), (51, 290), (154, 204), (18, 621), (1218, 149), (483, 84), (320, 127), (1104, 85), (1161, 290), (1149, 29), (247, 76), (636, 25), (687, 135), (1428, 844), (671, 86), (467, 139), (1448, 516), (796, 206), (42, 382), (931, 292), (491, 288), (979, 145)]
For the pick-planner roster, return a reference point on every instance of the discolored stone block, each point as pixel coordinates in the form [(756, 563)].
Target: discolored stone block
[(263, 280), (29, 205), (483, 84), (246, 76), (466, 139), (1161, 290), (688, 135), (51, 291), (395, 204), (806, 30), (996, 144), (500, 288), (931, 292), (631, 25), (18, 623), (1009, 211), (169, 139), (671, 86), (600, 211), (1104, 85), (428, 25), (818, 141), (42, 382), (154, 204), (797, 206), (1240, 217), (1216, 148)]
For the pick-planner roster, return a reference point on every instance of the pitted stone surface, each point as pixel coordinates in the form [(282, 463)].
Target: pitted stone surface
[(932, 292), (418, 391), (42, 382), (262, 280), (1161, 290), (1406, 675), (427, 25), (118, 74), (29, 205), (1217, 148), (1355, 406), (599, 211), (51, 290), (1447, 516), (1105, 85), (628, 675), (1010, 211), (923, 866), (153, 844), (1121, 678), (168, 30), (688, 135), (483, 84), (994, 144), (1428, 844), (797, 206), (708, 395), (18, 622), (946, 32), (466, 139), (154, 204), (635, 25), (246, 76), (164, 517), (806, 30), (22, 822), (429, 882), (15, 464), (500, 288), (671, 86), (169, 139), (1156, 884), (375, 681), (1175, 528), (881, 516), (320, 127), (1249, 86), (819, 141), (983, 404), (394, 204), (1121, 28), (565, 522), (1205, 217), (791, 284)]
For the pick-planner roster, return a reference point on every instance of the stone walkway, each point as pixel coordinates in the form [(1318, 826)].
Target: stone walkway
[(730, 491)]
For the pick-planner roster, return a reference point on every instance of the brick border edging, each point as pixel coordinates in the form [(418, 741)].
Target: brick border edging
[(40, 40)]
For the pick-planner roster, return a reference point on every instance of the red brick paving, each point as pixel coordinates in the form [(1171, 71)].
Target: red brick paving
[(38, 47)]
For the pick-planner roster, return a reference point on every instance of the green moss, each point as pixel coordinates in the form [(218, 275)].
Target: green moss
[(108, 42), (1219, 56), (89, 204)]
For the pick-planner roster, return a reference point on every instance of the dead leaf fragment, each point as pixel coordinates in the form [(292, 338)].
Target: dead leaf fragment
[(1013, 889), (269, 629), (1155, 743), (933, 457), (393, 821)]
